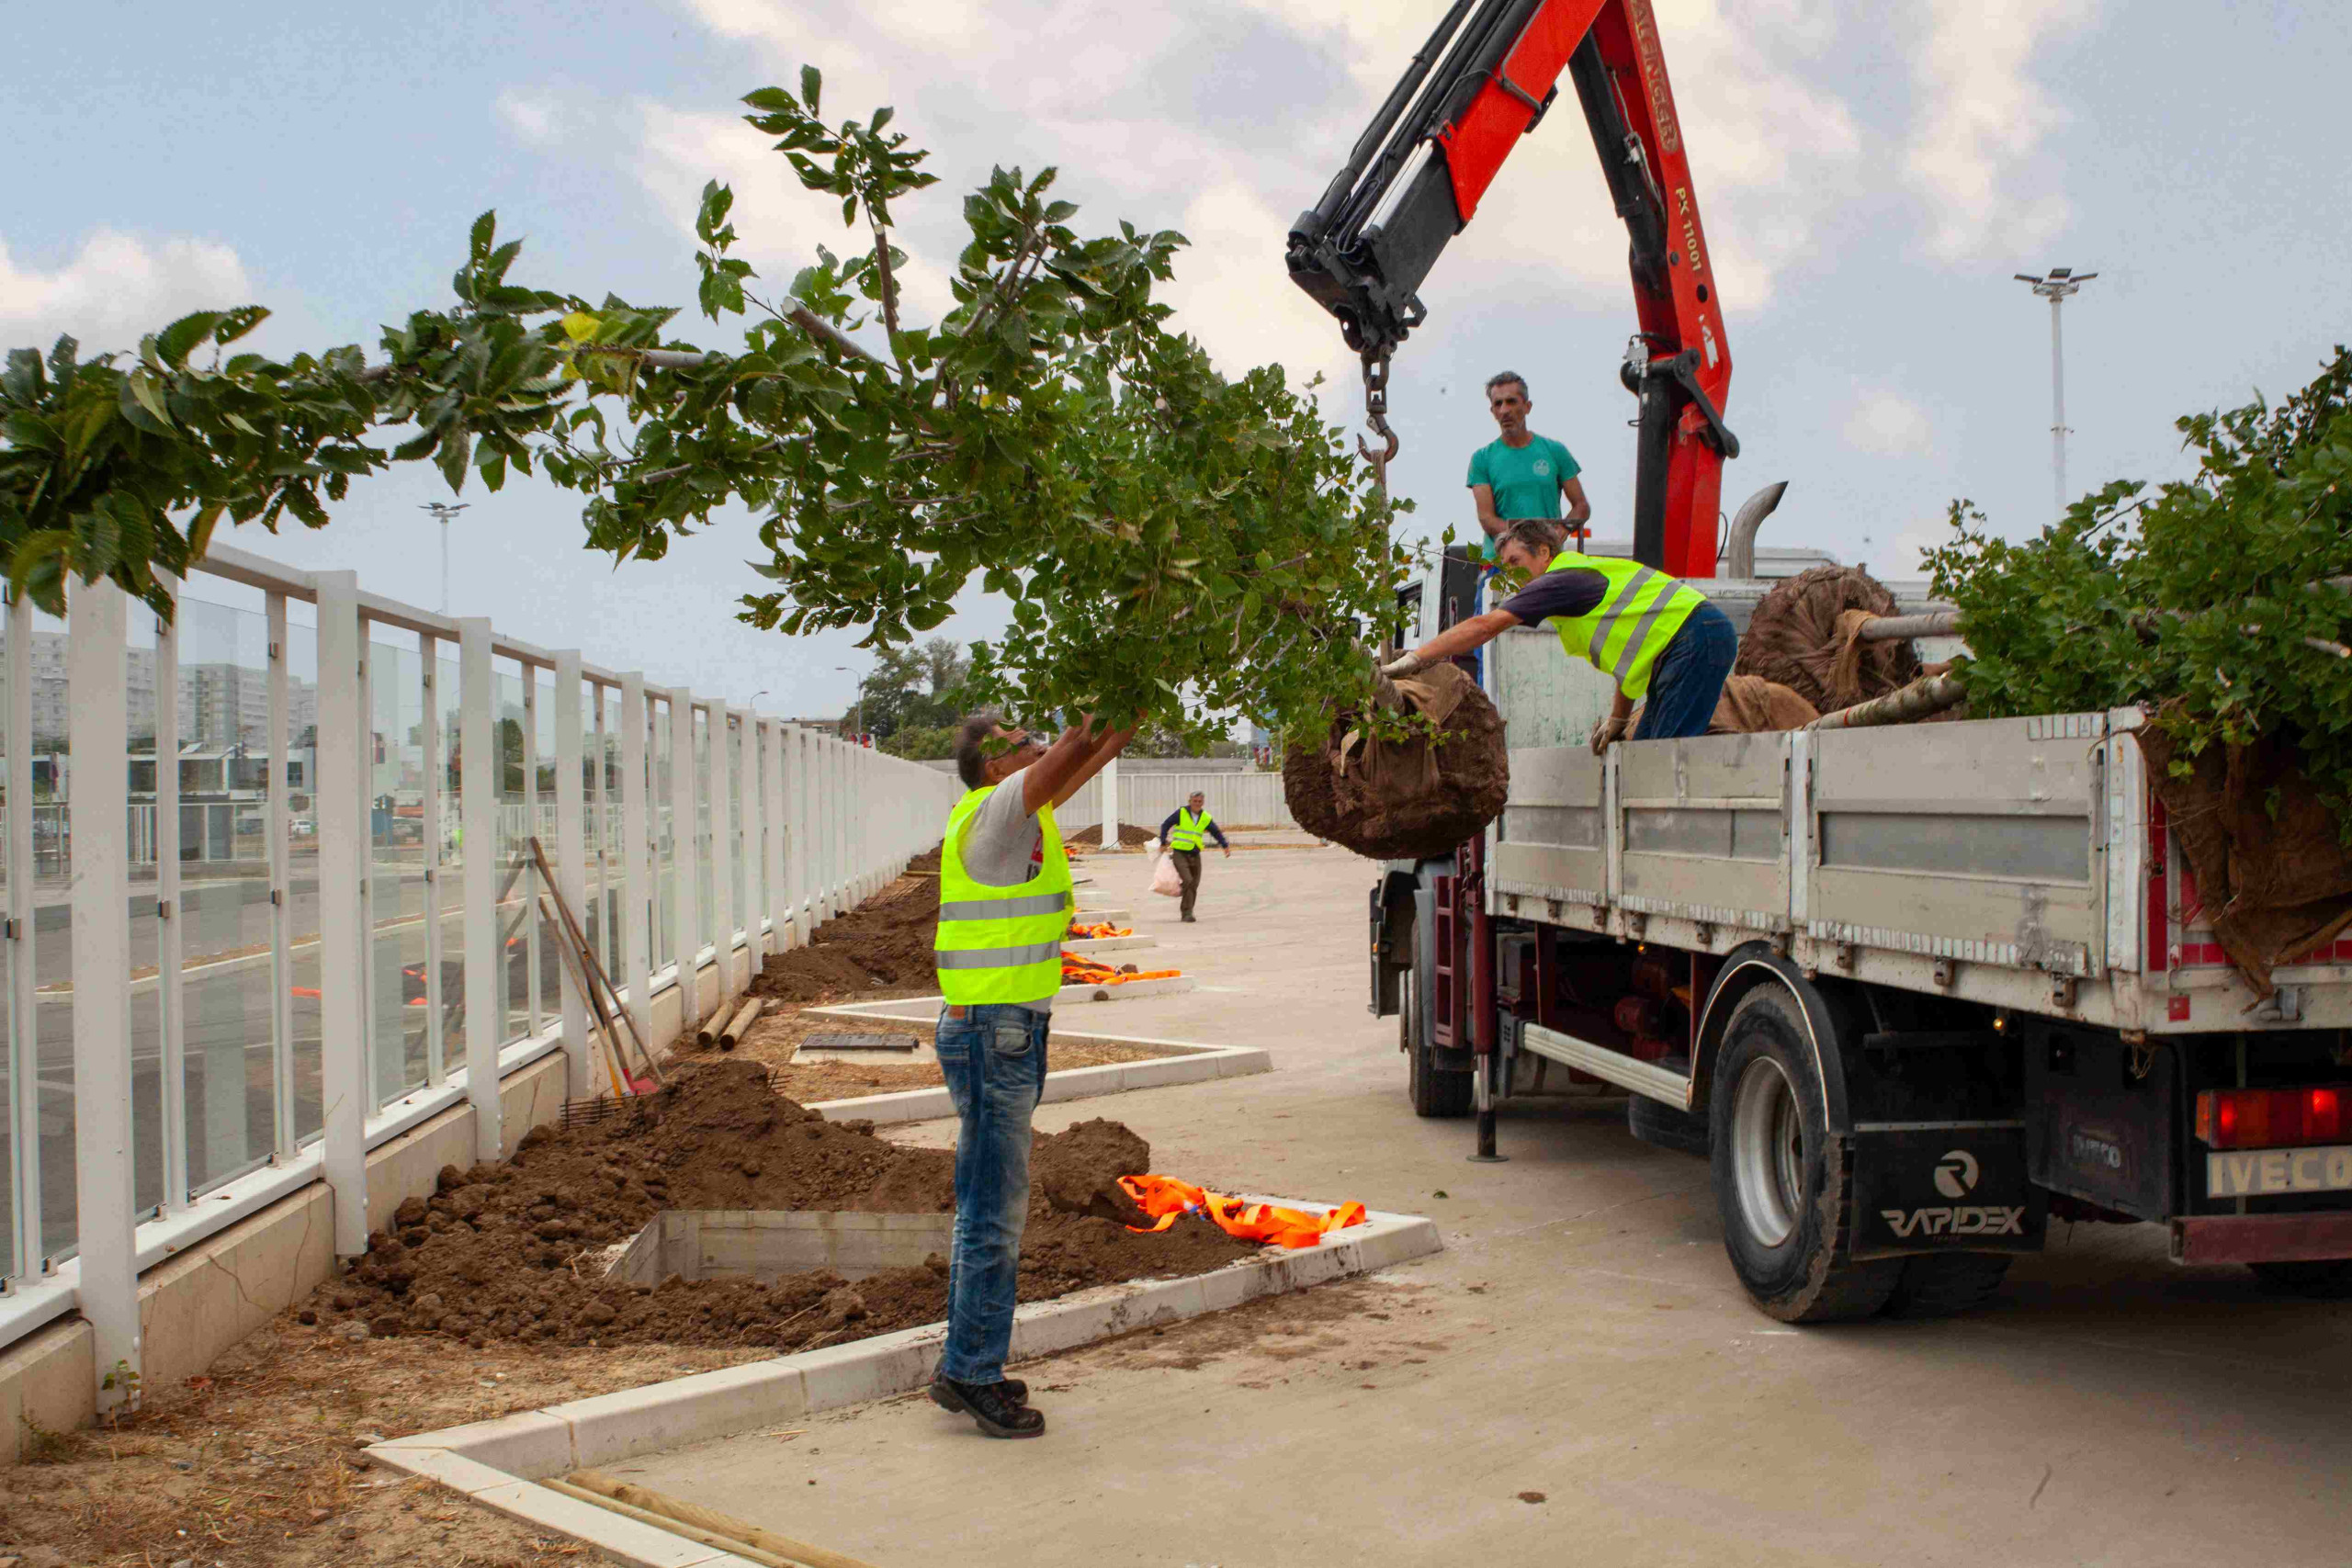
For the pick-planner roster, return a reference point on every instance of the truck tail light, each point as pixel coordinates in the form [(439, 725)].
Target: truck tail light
[(2271, 1118)]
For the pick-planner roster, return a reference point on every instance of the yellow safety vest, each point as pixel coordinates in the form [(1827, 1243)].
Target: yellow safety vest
[(1638, 614), (1001, 944), (1186, 834)]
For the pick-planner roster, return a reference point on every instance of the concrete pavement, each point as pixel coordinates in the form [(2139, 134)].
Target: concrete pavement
[(1578, 1377)]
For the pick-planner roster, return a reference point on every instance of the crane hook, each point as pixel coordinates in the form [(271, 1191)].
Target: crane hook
[(1376, 407)]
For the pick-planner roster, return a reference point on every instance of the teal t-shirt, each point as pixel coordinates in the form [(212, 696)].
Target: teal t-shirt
[(1525, 479)]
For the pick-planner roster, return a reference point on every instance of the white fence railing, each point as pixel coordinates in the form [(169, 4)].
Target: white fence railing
[(235, 1016)]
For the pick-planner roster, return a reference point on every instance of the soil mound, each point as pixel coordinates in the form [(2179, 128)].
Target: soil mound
[(882, 946), (1406, 800), (1801, 636), (515, 1251), (1130, 833)]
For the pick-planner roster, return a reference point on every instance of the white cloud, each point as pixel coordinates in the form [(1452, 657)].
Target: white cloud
[(117, 288), (1886, 424), (1984, 122), (536, 117), (1224, 295)]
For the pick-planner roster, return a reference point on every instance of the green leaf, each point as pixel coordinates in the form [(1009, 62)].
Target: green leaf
[(174, 342), (812, 82)]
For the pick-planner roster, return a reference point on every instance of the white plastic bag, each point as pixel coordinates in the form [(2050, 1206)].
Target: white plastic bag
[(1164, 879)]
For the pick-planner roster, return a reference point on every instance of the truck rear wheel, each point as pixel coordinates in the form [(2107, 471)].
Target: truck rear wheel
[(1785, 1199), (1435, 1092), (2329, 1280)]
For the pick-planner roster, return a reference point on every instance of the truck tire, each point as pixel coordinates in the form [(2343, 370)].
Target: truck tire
[(2327, 1280), (1435, 1092), (1785, 1198), (1944, 1284), (1655, 1122)]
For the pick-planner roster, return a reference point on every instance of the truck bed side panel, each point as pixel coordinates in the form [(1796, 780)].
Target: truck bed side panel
[(1972, 841)]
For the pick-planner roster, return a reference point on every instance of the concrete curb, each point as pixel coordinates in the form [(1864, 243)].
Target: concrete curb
[(496, 1463), (1200, 1064), (1107, 943)]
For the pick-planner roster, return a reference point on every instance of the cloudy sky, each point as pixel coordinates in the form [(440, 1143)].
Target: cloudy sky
[(1870, 177)]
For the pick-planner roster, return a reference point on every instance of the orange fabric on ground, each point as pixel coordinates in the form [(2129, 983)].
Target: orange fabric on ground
[(1165, 1198)]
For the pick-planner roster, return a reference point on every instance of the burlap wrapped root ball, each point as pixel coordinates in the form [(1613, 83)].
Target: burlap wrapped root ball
[(1404, 799)]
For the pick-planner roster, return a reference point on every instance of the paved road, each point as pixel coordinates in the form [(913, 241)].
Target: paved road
[(1581, 1338)]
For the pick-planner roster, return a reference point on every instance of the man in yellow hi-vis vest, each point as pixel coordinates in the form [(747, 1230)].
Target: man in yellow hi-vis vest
[(1655, 636), (1180, 835), (1004, 907)]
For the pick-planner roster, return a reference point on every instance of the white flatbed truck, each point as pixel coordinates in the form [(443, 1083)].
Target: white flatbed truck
[(1911, 989)]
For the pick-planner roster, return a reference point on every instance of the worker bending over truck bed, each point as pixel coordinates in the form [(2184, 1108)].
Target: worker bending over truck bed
[(1180, 835), (1004, 904), (1655, 636)]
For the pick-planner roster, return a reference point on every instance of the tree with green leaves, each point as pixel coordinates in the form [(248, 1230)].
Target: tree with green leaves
[(1176, 545), (2222, 601)]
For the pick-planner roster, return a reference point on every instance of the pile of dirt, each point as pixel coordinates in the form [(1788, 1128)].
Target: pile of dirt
[(515, 1251), (1130, 835), (882, 947), (1409, 800), (2272, 872), (1801, 636)]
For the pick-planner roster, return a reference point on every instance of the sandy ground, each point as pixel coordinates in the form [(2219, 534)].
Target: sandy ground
[(1578, 1377)]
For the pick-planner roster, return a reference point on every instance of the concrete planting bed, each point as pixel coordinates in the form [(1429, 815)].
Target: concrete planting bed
[(501, 1463)]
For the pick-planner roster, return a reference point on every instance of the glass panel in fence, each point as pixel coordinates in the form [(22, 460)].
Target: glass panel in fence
[(665, 912), (514, 903), (738, 812), (302, 921), (224, 910), (605, 826), (146, 924), (52, 957), (392, 743), (546, 952), (15, 954), (449, 894), (705, 905)]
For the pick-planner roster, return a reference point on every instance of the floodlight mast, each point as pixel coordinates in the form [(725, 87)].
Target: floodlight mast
[(2062, 285), (444, 511)]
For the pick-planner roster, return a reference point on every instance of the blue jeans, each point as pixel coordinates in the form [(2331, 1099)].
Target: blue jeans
[(1688, 678), (994, 1061)]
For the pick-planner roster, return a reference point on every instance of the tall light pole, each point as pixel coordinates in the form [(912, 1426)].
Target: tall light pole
[(2062, 285), (444, 511), (857, 721)]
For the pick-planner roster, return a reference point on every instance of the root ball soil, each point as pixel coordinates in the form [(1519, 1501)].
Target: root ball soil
[(516, 1251), (1801, 636), (1404, 800)]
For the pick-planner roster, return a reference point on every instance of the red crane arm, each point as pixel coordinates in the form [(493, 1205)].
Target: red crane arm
[(1485, 79)]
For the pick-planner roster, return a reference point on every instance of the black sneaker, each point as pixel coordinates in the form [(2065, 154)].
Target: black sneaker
[(993, 1407)]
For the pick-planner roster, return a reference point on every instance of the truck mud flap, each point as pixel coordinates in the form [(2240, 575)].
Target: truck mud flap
[(1957, 1187)]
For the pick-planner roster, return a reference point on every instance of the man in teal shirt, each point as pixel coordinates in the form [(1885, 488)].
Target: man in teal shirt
[(1521, 474)]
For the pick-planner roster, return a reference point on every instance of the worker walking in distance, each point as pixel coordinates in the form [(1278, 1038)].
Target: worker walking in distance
[(1180, 835), (1655, 636), (1004, 906)]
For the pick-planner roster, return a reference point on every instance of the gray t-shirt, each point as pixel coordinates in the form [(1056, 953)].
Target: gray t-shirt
[(1003, 847)]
